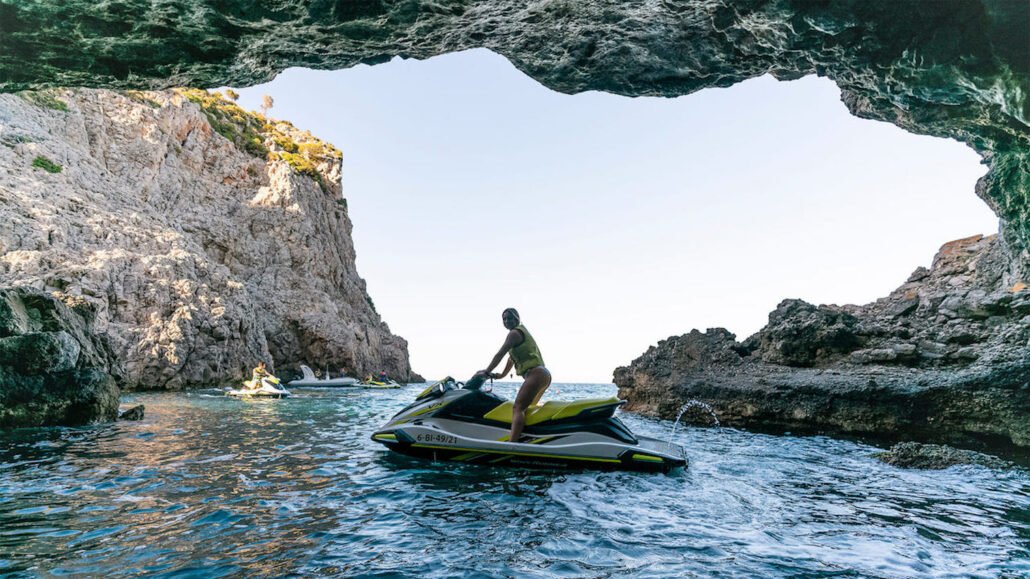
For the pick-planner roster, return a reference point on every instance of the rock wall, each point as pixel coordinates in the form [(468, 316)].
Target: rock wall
[(53, 368), (949, 68), (944, 358), (204, 237)]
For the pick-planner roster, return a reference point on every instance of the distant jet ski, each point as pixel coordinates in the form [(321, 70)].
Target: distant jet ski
[(378, 384), (268, 388), (462, 422), (310, 381)]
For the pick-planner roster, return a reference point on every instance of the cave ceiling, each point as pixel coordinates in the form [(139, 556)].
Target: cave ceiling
[(948, 68)]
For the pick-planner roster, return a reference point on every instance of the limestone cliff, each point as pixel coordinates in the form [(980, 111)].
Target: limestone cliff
[(944, 358), (205, 237)]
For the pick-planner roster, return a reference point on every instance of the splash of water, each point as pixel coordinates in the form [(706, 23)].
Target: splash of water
[(693, 404)]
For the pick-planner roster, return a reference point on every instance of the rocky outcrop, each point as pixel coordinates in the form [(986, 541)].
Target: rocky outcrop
[(944, 358), (204, 238), (952, 68), (949, 68), (135, 413), (935, 456), (53, 368)]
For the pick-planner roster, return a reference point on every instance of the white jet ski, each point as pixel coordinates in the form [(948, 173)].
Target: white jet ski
[(268, 388)]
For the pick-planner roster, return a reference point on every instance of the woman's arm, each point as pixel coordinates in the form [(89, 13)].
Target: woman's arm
[(513, 339), (507, 368)]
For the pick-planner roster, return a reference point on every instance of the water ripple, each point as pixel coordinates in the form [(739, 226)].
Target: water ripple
[(210, 487)]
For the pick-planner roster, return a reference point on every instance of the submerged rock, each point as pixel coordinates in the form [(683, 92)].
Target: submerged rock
[(54, 370), (866, 370), (934, 456), (200, 237), (134, 413)]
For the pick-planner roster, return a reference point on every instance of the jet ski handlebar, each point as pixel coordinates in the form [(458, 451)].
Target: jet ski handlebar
[(449, 383), (476, 382)]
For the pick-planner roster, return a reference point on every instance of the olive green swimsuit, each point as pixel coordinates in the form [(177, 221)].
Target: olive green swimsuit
[(526, 355)]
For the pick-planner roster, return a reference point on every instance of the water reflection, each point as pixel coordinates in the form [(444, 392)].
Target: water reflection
[(209, 486)]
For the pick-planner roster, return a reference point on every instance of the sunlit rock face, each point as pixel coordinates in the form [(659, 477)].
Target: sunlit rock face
[(203, 239), (945, 358), (951, 68)]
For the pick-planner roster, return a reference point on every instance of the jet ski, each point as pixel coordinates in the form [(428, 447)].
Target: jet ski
[(465, 422), (378, 384), (268, 388)]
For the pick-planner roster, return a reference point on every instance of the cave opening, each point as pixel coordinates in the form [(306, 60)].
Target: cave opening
[(611, 221)]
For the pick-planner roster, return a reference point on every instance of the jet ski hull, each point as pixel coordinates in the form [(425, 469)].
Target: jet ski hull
[(533, 456), (464, 426), (257, 393), (381, 385), (270, 388)]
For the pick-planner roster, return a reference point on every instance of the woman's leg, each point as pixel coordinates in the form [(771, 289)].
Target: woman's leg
[(537, 380)]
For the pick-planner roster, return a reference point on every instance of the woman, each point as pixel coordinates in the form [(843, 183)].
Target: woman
[(256, 375), (524, 354)]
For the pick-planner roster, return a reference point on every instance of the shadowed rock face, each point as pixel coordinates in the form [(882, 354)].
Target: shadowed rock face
[(950, 68), (54, 369), (944, 358)]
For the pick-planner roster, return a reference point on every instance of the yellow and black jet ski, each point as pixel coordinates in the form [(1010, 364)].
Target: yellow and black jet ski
[(380, 385), (467, 423)]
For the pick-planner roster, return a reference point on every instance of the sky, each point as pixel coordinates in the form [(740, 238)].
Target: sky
[(610, 222)]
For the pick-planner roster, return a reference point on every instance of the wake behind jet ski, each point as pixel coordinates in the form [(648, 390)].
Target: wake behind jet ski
[(466, 423)]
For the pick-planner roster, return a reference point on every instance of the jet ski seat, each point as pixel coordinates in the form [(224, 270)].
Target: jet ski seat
[(557, 410)]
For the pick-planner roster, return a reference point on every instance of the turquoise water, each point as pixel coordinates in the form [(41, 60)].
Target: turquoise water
[(210, 486)]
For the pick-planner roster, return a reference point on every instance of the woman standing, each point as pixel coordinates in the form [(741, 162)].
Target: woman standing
[(525, 356)]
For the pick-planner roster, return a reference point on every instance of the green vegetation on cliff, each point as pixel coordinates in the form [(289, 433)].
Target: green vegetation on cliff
[(263, 137), (45, 98), (41, 162)]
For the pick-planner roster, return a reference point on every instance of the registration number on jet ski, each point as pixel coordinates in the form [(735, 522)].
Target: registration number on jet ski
[(437, 438)]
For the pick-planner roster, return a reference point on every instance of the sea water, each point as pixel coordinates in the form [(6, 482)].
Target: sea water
[(209, 486)]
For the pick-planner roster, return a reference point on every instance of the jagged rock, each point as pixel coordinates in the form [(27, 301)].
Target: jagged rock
[(967, 353), (964, 382), (934, 456), (134, 413), (199, 238), (53, 369), (904, 307), (800, 334), (933, 350)]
